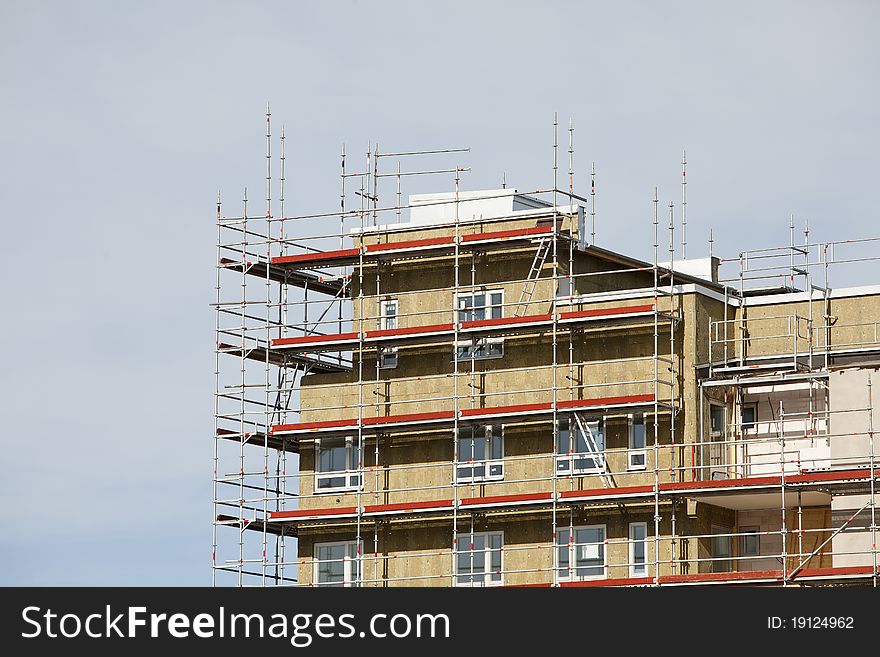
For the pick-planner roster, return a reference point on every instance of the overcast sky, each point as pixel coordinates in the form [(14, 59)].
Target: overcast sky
[(120, 121)]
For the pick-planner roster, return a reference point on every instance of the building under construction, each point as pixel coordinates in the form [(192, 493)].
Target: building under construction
[(467, 390)]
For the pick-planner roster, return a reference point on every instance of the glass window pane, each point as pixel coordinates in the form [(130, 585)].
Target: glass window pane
[(716, 418), (750, 542), (562, 440), (387, 357), (562, 552), (479, 446), (496, 305), (721, 552), (331, 455), (464, 563), (639, 552), (589, 551), (476, 561), (331, 482), (597, 429), (638, 547), (637, 438), (331, 566), (748, 417), (389, 315), (496, 443), (465, 451)]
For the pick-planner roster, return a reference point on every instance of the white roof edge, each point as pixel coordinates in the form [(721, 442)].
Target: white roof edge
[(690, 288), (642, 293), (478, 194), (795, 297)]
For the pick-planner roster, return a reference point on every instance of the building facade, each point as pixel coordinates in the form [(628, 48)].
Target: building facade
[(482, 396)]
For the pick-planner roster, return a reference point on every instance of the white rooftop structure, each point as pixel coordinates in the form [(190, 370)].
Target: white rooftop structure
[(441, 207)]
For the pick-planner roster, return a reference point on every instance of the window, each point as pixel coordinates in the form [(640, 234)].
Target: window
[(478, 559), (721, 551), (716, 421), (749, 417), (480, 453), (388, 314), (637, 442), (717, 449), (580, 446), (750, 542), (638, 549), (338, 460), (584, 556), (388, 321), (387, 357), (474, 307), (337, 564)]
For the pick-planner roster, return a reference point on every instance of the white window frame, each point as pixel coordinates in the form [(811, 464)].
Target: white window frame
[(744, 533), (633, 453), (569, 574), (572, 458), (351, 575), (488, 573), (478, 341), (713, 434), (489, 463), (384, 324), (388, 355), (351, 474), (638, 570)]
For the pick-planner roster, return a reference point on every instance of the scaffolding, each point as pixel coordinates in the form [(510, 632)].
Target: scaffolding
[(296, 302)]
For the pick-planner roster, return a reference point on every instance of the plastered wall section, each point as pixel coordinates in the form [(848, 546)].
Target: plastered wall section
[(786, 327)]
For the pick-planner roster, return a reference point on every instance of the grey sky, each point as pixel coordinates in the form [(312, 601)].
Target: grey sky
[(119, 122)]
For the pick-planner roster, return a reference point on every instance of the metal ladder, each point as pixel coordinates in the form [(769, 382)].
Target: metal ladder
[(532, 280), (593, 447)]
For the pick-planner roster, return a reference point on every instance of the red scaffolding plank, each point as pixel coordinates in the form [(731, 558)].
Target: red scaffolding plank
[(606, 312), (411, 244), (346, 339), (316, 256), (412, 330), (538, 498), (508, 234), (311, 339), (449, 415), (605, 401)]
